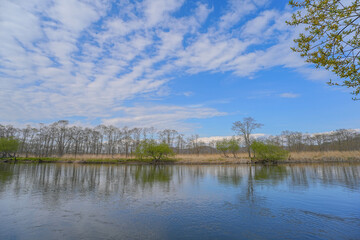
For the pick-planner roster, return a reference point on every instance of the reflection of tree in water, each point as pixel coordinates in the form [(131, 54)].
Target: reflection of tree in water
[(250, 186), (56, 182), (347, 175), (270, 174), (194, 172), (299, 177), (153, 174), (230, 175), (5, 175), (303, 175)]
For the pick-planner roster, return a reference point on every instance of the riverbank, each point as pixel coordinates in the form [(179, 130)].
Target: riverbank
[(301, 157), (294, 157)]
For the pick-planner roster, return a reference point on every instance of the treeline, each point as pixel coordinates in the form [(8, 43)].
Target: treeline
[(61, 138), (338, 140)]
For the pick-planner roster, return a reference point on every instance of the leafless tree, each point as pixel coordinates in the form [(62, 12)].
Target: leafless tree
[(245, 128), (60, 138)]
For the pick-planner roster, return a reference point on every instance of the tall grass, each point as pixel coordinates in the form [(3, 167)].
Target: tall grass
[(327, 154), (208, 158)]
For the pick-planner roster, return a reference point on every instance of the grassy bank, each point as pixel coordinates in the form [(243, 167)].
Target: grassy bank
[(241, 158), (294, 157)]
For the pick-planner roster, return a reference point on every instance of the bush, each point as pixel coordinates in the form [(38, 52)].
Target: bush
[(233, 146), (226, 145), (268, 152), (152, 149), (222, 146), (8, 146)]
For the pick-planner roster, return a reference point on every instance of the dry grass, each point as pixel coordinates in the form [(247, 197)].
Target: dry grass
[(99, 156), (86, 156), (321, 155), (293, 157), (219, 158), (211, 158)]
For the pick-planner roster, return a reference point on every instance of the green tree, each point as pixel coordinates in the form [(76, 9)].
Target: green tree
[(228, 145), (233, 146), (8, 146), (223, 146), (268, 152), (152, 149), (331, 37)]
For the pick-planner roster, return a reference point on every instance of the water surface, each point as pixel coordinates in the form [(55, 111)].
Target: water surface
[(69, 201)]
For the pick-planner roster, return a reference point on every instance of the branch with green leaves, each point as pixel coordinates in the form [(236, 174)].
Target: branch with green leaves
[(330, 38)]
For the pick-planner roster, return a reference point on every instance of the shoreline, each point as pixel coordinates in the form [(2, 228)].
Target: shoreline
[(222, 161)]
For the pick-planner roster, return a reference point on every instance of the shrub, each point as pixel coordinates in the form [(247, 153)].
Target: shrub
[(225, 146), (233, 146), (152, 149), (268, 152), (222, 146), (8, 146)]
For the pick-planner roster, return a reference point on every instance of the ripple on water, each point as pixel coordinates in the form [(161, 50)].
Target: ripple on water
[(65, 201)]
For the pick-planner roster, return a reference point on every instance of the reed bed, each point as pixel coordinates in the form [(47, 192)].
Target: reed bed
[(97, 156), (327, 154), (296, 157)]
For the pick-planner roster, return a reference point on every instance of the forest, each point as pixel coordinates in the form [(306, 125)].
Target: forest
[(61, 138)]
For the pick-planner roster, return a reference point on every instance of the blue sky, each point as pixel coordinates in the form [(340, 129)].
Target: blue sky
[(194, 66)]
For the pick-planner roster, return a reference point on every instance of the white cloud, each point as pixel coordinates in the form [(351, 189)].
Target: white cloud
[(289, 95), (259, 26), (237, 10), (67, 58), (162, 117), (156, 11), (208, 140), (219, 138), (73, 15), (188, 94)]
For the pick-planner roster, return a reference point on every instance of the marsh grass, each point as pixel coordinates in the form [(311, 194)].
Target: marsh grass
[(211, 158), (327, 154), (89, 158), (197, 159)]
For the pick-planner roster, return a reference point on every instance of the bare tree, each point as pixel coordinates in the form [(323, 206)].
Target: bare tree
[(245, 128), (180, 142), (59, 138), (293, 140), (194, 144), (167, 136)]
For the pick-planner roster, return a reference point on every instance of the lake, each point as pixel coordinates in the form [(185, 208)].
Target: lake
[(74, 201)]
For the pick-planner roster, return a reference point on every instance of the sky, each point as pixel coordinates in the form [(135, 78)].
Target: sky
[(193, 66)]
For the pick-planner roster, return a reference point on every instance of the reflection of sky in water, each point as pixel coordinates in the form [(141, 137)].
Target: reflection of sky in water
[(174, 202)]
